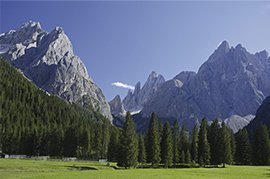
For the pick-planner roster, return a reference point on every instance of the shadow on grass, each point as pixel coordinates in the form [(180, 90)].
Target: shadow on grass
[(267, 173), (81, 168)]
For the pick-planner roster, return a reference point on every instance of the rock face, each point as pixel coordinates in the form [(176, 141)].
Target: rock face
[(236, 122), (231, 82), (49, 61), (117, 108), (135, 101)]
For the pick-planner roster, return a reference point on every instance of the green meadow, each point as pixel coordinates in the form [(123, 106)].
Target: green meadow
[(24, 168)]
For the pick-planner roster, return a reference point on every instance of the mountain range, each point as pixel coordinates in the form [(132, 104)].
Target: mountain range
[(229, 86), (48, 60)]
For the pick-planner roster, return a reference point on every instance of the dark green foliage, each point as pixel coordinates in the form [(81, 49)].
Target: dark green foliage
[(128, 144), (203, 145), (243, 148), (187, 157), (35, 123), (226, 156), (175, 135), (261, 146), (194, 145), (182, 157), (113, 148), (142, 152), (214, 138), (166, 146), (153, 141)]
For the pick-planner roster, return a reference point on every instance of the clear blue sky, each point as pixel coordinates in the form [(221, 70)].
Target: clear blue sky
[(125, 41)]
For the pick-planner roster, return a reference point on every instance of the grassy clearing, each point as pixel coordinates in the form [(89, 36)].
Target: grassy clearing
[(19, 168)]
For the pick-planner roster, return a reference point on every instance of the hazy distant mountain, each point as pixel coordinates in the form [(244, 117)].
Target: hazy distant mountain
[(48, 60), (231, 82), (135, 101), (117, 108)]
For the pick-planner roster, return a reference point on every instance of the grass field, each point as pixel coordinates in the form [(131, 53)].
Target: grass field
[(23, 168)]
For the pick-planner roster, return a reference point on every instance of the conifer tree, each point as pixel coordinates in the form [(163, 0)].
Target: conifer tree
[(214, 138), (153, 141), (194, 144), (226, 145), (203, 145), (243, 148), (166, 146), (113, 145), (187, 157), (128, 144), (142, 152), (182, 157), (261, 145), (175, 143)]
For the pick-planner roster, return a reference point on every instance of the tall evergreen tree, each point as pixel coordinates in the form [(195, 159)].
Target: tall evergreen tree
[(175, 142), (243, 148), (142, 152), (187, 157), (194, 144), (261, 146), (128, 144), (183, 140), (166, 146), (113, 148), (182, 157), (203, 145), (214, 138), (227, 156), (153, 141)]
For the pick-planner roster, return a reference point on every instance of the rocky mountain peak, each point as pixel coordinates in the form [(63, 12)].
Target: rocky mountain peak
[(262, 54), (116, 107), (137, 88), (49, 61), (135, 101), (31, 25), (231, 82), (223, 47), (185, 76)]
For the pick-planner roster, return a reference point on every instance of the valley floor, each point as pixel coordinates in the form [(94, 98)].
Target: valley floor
[(24, 168)]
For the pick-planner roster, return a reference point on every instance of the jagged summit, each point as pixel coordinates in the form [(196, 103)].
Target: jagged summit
[(31, 24), (135, 101), (223, 46), (231, 82), (47, 58), (116, 107)]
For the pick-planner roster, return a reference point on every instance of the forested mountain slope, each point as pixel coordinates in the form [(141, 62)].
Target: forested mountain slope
[(33, 122)]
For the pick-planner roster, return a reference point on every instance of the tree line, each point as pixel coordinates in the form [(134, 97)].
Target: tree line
[(35, 123), (172, 146)]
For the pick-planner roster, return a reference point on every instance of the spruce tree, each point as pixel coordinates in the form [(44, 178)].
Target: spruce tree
[(214, 138), (113, 145), (243, 148), (261, 145), (182, 157), (175, 143), (128, 144), (153, 141), (141, 150), (187, 157), (203, 145), (194, 145), (166, 146), (227, 157)]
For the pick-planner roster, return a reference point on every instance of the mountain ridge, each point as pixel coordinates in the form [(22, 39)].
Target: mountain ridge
[(47, 58)]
